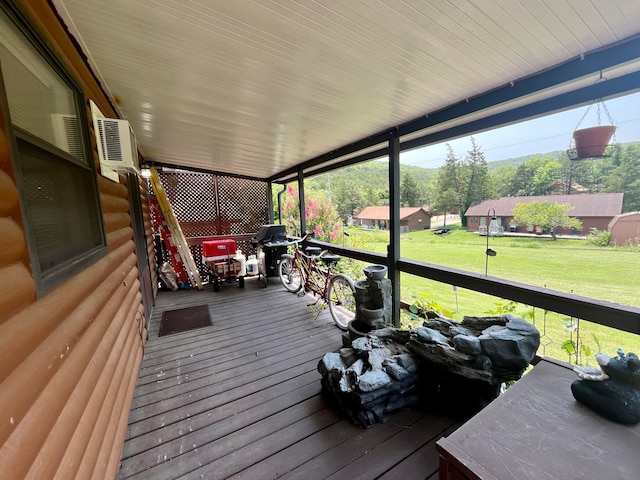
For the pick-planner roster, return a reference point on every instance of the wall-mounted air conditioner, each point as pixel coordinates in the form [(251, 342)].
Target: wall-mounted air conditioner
[(117, 146)]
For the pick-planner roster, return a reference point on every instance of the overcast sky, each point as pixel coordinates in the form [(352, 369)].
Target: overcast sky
[(536, 136)]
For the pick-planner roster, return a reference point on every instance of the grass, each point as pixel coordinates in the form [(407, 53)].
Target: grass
[(567, 265)]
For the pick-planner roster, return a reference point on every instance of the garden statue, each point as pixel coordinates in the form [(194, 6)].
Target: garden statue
[(614, 391)]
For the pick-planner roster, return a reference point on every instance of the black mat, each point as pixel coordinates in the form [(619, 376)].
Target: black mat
[(183, 319)]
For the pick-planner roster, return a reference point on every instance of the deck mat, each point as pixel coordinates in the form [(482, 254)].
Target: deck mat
[(183, 319)]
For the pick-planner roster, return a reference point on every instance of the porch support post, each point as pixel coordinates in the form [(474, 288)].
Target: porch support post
[(303, 220), (270, 202), (393, 249)]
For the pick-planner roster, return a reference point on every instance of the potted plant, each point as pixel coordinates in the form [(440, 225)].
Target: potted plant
[(593, 141)]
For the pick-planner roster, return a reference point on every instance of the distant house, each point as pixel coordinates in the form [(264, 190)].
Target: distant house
[(411, 218), (593, 210), (625, 229)]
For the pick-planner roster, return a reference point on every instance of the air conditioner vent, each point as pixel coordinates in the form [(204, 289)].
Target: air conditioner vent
[(117, 146)]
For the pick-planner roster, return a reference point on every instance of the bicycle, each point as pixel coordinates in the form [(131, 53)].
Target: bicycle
[(313, 272)]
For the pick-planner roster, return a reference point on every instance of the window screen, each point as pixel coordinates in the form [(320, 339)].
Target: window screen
[(57, 184)]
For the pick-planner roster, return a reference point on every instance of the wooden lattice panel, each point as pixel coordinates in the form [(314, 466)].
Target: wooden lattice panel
[(207, 205), (192, 196), (243, 203)]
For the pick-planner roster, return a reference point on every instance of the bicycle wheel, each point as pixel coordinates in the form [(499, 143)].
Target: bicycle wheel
[(342, 300), (290, 274)]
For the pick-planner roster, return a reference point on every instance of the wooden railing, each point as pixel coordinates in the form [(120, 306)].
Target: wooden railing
[(621, 317)]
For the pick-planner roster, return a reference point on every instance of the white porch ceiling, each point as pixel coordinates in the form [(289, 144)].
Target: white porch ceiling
[(253, 87)]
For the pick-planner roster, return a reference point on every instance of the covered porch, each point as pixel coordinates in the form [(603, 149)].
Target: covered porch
[(242, 399), (272, 94)]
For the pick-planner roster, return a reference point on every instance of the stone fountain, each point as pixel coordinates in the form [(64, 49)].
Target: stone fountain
[(456, 367)]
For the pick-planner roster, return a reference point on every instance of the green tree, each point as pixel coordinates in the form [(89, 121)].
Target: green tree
[(347, 198), (626, 178), (547, 215), (476, 179), (546, 172), (410, 194), (501, 180), (374, 196), (535, 177), (587, 175), (447, 191)]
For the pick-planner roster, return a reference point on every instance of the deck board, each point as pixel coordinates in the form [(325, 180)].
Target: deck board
[(242, 399)]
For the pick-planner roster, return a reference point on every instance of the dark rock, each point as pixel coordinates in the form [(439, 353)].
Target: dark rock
[(482, 362), (364, 344), (467, 344), (510, 348), (480, 323), (407, 361), (330, 361), (348, 356), (613, 393), (442, 325), (375, 358), (347, 382), (442, 364), (394, 370), (395, 334), (358, 367), (458, 330), (373, 380), (430, 335)]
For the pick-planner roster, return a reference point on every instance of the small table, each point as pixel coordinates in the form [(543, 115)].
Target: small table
[(536, 430)]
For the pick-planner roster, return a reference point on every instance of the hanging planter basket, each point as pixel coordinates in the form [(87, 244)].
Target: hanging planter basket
[(593, 142), (596, 141)]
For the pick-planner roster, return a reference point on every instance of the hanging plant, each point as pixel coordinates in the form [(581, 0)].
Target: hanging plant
[(594, 141)]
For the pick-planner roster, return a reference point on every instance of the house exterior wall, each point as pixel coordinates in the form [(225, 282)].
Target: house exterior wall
[(601, 223), (68, 360), (361, 222), (410, 222), (473, 223), (419, 221)]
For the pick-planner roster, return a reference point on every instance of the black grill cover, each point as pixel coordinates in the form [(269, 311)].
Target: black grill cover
[(270, 234)]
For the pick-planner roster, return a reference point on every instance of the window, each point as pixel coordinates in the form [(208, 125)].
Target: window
[(57, 184)]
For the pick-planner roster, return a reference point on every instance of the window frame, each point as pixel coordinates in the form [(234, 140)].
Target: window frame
[(50, 279)]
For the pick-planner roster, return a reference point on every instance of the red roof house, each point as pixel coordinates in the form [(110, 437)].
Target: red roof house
[(411, 218)]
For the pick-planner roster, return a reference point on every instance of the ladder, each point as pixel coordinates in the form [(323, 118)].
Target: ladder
[(173, 237), (167, 240)]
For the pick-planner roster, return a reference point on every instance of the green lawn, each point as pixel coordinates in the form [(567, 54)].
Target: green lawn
[(611, 274)]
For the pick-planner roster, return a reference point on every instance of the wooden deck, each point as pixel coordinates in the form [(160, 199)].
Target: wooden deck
[(242, 399)]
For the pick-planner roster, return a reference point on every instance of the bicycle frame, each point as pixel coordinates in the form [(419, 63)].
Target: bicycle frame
[(313, 272), (309, 265)]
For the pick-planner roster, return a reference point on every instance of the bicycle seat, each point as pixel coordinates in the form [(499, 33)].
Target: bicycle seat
[(330, 259), (312, 250)]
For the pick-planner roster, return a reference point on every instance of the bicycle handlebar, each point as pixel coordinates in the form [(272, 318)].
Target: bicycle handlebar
[(296, 241)]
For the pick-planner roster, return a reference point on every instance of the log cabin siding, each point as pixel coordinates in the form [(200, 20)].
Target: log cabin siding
[(14, 258), (151, 252), (69, 360)]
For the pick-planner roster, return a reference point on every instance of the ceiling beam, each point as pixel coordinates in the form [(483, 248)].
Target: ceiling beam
[(608, 57)]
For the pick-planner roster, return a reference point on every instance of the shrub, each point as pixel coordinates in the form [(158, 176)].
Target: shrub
[(599, 238)]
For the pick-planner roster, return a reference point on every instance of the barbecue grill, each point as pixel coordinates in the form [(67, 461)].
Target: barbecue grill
[(270, 243)]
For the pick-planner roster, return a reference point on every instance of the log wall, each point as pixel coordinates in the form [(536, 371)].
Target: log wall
[(69, 360)]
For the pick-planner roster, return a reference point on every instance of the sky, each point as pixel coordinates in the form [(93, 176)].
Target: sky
[(541, 135)]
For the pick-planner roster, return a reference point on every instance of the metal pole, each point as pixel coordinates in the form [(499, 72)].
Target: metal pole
[(393, 253), (303, 220), (270, 202)]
